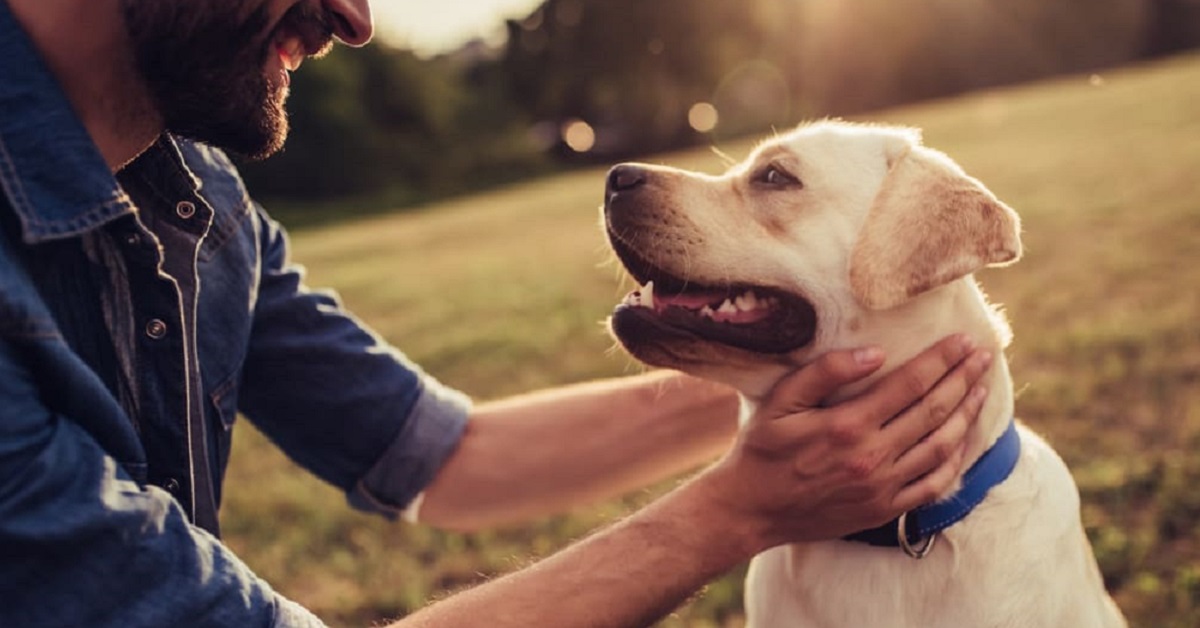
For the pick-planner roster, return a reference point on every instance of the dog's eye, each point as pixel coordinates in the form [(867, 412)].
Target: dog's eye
[(775, 176)]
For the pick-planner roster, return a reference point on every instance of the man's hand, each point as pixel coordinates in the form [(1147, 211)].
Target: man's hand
[(803, 472)]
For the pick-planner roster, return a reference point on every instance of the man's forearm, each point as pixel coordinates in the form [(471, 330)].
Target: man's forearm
[(546, 452), (796, 474), (630, 574)]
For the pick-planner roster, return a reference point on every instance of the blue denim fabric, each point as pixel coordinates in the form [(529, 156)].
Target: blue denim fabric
[(139, 314)]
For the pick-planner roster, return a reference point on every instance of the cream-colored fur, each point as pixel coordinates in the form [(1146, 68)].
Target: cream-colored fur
[(880, 234)]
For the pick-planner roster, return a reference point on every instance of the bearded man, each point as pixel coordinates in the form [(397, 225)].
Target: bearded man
[(146, 301)]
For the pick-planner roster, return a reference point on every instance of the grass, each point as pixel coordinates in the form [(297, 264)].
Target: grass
[(502, 292)]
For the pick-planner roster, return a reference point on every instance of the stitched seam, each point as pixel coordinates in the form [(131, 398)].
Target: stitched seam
[(84, 221), (25, 210), (13, 184), (219, 230), (954, 516), (951, 518), (218, 396)]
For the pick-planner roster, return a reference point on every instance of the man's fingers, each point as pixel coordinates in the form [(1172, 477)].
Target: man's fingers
[(938, 446), (809, 386), (933, 484), (908, 384), (949, 395)]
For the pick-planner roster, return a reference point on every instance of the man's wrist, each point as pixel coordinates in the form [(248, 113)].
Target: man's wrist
[(709, 500)]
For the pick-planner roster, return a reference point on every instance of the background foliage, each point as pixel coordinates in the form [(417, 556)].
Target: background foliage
[(382, 124), (501, 292)]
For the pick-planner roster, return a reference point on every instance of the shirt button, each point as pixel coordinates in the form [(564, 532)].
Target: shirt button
[(156, 329), (185, 209), (133, 239), (171, 485)]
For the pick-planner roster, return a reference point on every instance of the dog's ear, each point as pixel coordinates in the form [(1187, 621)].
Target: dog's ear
[(929, 224)]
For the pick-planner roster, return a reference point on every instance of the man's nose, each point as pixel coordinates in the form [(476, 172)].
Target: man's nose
[(352, 21)]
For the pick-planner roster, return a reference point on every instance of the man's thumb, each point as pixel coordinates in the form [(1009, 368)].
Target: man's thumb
[(814, 382)]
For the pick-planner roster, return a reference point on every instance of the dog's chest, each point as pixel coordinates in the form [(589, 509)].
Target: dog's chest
[(1020, 559), (845, 584)]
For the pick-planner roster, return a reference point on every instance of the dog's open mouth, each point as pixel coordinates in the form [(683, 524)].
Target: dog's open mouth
[(745, 316)]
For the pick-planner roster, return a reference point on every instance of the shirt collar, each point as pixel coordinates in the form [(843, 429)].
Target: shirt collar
[(51, 172)]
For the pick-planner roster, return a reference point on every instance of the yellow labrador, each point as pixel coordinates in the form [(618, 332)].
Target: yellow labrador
[(836, 236)]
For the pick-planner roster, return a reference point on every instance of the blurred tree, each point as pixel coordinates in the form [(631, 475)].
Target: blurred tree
[(630, 68), (1174, 26), (382, 121), (330, 140), (862, 54)]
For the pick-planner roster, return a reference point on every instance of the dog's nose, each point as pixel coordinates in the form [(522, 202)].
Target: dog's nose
[(625, 177)]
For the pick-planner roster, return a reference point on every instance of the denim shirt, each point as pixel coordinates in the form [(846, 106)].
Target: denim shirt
[(139, 315)]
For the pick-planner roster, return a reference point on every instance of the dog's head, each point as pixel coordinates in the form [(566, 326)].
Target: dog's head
[(804, 247)]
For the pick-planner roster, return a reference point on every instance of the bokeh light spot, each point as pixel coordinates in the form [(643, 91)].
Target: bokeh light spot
[(703, 117), (579, 135)]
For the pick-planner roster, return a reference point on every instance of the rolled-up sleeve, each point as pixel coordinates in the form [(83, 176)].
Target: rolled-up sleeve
[(82, 544), (336, 397), (430, 434)]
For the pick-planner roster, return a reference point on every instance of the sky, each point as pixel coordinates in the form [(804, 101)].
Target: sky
[(432, 26)]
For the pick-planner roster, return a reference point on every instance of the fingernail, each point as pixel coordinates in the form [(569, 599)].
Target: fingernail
[(966, 343), (868, 355), (978, 394)]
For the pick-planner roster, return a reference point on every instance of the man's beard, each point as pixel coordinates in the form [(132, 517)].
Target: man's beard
[(204, 66)]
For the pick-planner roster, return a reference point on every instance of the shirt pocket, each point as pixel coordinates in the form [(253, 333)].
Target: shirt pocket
[(223, 409)]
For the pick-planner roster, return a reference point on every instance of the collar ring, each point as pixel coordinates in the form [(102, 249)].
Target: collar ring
[(918, 552)]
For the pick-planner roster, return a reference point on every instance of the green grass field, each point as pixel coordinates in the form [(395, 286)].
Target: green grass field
[(506, 291)]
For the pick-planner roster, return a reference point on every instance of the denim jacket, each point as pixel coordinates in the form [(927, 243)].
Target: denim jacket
[(139, 315)]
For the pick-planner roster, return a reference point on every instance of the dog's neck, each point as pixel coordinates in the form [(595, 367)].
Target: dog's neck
[(905, 331)]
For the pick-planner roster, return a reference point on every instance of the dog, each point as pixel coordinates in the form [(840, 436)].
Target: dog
[(840, 235)]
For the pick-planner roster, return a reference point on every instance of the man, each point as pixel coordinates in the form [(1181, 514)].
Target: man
[(145, 301)]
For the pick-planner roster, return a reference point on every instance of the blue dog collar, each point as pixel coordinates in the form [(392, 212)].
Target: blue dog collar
[(922, 524)]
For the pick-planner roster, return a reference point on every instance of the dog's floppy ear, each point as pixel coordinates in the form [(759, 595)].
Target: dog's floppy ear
[(929, 224)]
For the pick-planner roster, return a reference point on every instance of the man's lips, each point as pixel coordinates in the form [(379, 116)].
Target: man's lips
[(302, 32), (291, 52)]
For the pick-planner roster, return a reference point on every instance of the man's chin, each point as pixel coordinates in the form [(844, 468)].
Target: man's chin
[(260, 150), (251, 137)]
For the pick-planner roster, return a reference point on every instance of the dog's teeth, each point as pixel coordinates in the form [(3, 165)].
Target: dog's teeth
[(747, 302), (648, 294), (728, 307), (707, 311)]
